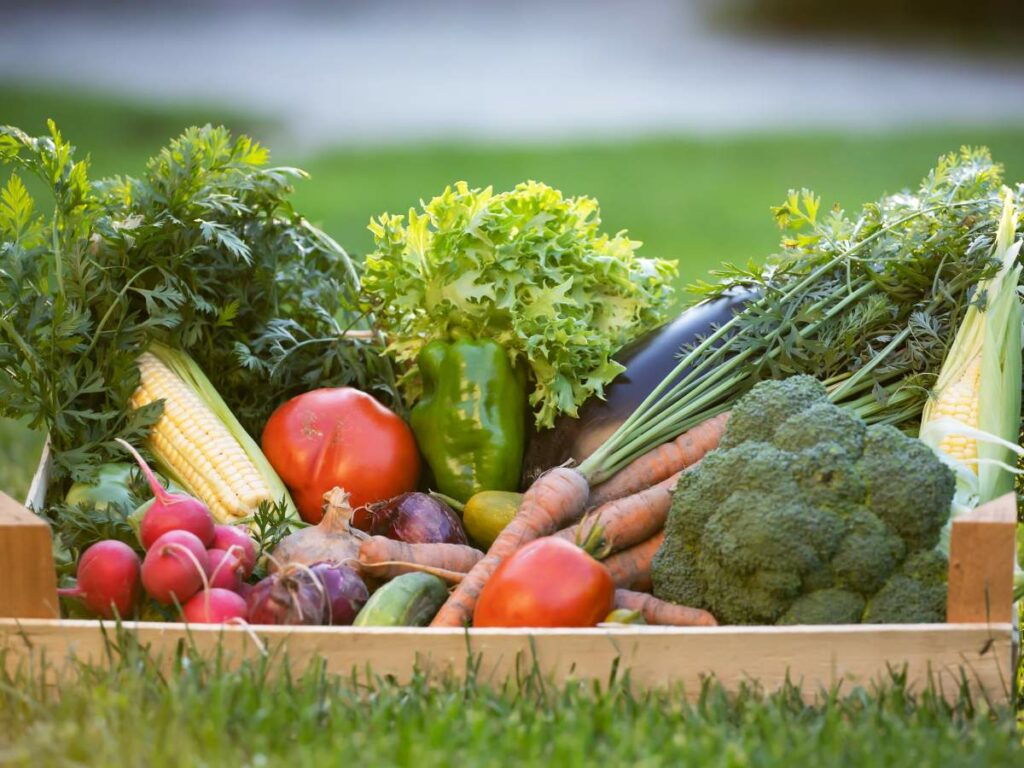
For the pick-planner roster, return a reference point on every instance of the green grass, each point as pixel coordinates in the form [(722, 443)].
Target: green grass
[(132, 714), (701, 201)]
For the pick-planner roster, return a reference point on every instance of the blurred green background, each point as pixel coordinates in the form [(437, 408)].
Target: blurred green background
[(698, 200)]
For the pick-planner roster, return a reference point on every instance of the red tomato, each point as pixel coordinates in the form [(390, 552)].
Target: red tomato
[(548, 583), (340, 437)]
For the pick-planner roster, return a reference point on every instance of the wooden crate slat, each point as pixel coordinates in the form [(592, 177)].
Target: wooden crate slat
[(981, 555), (816, 657), (26, 564)]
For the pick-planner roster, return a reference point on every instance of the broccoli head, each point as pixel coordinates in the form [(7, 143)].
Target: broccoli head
[(758, 413), (805, 514)]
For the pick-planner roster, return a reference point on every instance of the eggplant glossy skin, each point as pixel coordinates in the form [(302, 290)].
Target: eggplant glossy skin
[(648, 361)]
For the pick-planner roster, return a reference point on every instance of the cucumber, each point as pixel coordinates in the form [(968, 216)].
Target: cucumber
[(409, 600)]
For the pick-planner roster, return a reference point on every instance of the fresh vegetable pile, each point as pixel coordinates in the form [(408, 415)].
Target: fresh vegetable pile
[(343, 443)]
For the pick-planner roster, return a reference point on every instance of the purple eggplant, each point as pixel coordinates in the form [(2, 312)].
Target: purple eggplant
[(648, 361)]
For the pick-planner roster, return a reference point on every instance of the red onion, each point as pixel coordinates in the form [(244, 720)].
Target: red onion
[(293, 595), (416, 518), (346, 592)]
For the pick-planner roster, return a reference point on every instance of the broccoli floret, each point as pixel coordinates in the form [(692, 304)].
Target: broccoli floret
[(747, 465), (822, 423), (805, 515), (828, 477), (757, 550), (909, 488), (914, 595), (826, 606), (869, 552), (758, 413), (678, 576)]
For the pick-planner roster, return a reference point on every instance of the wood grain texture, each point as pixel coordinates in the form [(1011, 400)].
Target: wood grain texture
[(981, 555), (816, 657), (28, 580)]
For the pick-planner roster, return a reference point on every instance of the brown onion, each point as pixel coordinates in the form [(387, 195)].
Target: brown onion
[(332, 540), (416, 518)]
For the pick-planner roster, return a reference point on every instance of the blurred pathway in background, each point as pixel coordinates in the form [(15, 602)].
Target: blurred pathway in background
[(386, 70)]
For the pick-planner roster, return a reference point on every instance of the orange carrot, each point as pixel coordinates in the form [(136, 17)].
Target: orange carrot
[(631, 568), (664, 461), (657, 611), (386, 558), (626, 522), (555, 500), (377, 573)]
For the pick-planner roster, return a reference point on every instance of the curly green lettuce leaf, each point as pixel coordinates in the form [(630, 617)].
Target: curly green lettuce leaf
[(528, 268)]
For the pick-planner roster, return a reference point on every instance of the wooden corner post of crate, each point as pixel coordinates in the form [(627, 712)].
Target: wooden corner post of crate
[(981, 557), (27, 571)]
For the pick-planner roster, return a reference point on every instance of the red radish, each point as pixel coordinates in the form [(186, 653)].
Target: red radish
[(108, 579), (175, 567), (227, 536), (171, 511), (224, 569), (215, 606)]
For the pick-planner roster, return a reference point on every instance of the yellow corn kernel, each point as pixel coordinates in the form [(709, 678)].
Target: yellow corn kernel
[(195, 445), (960, 400)]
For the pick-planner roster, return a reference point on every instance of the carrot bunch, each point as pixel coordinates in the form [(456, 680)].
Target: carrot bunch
[(629, 512)]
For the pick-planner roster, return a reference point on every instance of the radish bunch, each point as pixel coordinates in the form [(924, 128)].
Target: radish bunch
[(194, 563), (190, 561)]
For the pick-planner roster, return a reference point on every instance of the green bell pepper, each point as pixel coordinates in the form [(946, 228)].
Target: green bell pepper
[(470, 422)]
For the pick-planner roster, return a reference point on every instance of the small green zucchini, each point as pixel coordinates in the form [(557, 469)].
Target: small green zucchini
[(409, 600)]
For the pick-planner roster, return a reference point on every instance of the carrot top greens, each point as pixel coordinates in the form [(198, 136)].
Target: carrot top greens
[(868, 304)]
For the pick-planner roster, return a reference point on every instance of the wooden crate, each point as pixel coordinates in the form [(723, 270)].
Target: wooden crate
[(976, 647)]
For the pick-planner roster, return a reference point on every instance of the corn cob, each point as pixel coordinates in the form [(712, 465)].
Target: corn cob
[(198, 443), (972, 419)]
